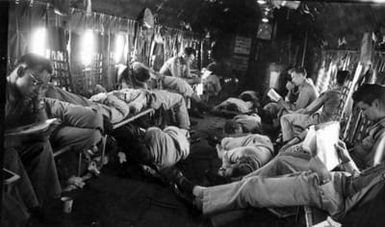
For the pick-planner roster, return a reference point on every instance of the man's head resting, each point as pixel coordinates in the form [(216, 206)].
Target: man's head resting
[(30, 73)]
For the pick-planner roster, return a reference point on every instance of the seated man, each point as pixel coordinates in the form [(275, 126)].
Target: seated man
[(367, 153), (306, 92), (29, 156), (210, 82), (179, 66), (329, 101), (335, 192), (81, 127)]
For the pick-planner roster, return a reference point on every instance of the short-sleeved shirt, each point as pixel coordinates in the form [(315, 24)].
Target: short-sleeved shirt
[(330, 108), (371, 150), (167, 146), (307, 93), (174, 67)]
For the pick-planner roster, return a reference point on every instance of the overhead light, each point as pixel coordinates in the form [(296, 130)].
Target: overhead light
[(261, 2), (265, 20)]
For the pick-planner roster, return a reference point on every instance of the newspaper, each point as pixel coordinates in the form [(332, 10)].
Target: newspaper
[(321, 140), (273, 95)]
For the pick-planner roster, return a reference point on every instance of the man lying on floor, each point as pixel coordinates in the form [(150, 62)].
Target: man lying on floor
[(251, 123), (242, 153), (334, 192), (154, 148), (243, 104)]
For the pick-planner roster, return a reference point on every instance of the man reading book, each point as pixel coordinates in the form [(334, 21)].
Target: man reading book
[(29, 156), (81, 128), (329, 101), (306, 91)]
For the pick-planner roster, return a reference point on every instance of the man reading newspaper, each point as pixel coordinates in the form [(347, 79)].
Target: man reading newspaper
[(335, 192)]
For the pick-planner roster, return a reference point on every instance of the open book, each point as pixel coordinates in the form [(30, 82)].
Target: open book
[(273, 95), (34, 128), (321, 139)]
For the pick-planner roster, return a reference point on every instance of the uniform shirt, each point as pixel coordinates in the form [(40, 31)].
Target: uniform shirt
[(175, 67), (20, 111), (371, 150), (211, 85), (307, 93), (249, 122), (247, 152), (167, 146), (329, 101)]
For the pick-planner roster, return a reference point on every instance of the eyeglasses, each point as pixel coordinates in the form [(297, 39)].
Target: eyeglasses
[(35, 81)]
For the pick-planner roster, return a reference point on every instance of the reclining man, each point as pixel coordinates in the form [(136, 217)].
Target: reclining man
[(246, 102), (242, 153), (334, 192), (329, 101), (154, 148), (249, 123), (137, 75), (115, 106)]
